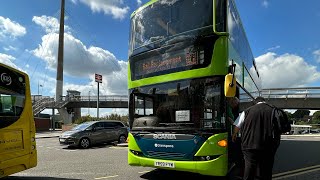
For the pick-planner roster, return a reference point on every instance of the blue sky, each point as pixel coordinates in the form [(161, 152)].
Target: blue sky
[(284, 38)]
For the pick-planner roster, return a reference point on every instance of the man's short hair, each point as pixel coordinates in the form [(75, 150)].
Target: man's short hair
[(233, 101), (259, 99)]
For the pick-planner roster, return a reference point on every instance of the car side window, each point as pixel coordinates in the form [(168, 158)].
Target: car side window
[(119, 124), (99, 126), (108, 125)]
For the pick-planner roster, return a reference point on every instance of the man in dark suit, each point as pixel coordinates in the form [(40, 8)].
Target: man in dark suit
[(257, 140)]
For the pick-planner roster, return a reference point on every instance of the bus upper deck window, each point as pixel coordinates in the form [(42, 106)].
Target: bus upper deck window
[(220, 15)]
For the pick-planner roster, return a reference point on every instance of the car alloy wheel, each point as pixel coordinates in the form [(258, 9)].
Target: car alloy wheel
[(122, 139), (84, 143)]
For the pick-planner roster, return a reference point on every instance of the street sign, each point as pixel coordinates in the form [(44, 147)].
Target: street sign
[(98, 78)]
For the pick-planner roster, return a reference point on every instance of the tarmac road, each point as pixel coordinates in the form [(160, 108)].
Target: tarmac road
[(297, 158)]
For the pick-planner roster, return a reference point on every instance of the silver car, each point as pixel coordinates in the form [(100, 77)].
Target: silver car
[(89, 133)]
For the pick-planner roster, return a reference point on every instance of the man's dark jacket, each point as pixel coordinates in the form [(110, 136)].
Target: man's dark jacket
[(256, 131)]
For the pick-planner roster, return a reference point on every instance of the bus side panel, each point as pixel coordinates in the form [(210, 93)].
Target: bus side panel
[(11, 143), (14, 165), (17, 147)]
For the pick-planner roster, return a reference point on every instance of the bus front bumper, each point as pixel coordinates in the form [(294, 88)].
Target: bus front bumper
[(215, 167)]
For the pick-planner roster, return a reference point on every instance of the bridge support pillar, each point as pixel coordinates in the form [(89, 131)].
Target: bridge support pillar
[(65, 116), (75, 112)]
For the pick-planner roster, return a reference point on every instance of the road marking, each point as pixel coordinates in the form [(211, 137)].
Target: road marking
[(296, 172), (119, 147), (107, 177), (70, 150), (143, 172)]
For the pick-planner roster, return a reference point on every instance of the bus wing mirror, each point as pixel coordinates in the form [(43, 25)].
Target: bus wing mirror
[(230, 85)]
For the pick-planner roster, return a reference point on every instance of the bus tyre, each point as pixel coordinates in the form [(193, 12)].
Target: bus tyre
[(122, 139), (84, 143)]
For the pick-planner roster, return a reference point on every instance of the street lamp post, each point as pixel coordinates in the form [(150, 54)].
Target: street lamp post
[(39, 85), (98, 79)]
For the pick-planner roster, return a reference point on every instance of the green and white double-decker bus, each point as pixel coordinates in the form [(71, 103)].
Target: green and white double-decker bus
[(186, 57)]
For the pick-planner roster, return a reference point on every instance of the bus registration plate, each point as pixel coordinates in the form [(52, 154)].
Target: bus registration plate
[(164, 164)]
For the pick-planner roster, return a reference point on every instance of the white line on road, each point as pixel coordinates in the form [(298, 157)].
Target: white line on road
[(70, 150), (107, 177), (119, 148), (143, 172), (296, 172)]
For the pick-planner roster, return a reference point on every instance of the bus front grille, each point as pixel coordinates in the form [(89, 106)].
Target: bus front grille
[(166, 155)]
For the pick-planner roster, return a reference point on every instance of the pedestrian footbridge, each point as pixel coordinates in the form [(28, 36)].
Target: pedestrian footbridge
[(286, 98), (291, 98)]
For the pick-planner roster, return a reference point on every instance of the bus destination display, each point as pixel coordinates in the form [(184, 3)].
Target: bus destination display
[(167, 61)]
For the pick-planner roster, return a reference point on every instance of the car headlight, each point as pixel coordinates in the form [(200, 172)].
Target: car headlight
[(66, 136)]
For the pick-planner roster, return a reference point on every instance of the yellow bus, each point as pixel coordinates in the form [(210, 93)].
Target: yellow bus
[(17, 128)]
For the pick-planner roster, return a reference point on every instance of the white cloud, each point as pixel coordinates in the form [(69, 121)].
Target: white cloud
[(116, 8), (8, 60), (9, 28), (10, 48), (74, 1), (273, 48), (41, 81), (265, 3), (49, 24), (81, 61), (285, 71), (139, 2), (317, 55), (120, 111), (103, 112)]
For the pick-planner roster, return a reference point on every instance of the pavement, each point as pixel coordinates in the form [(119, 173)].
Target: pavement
[(48, 134), (57, 132)]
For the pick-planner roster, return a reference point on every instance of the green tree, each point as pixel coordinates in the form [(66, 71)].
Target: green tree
[(290, 117), (113, 117), (300, 113), (122, 118), (316, 115), (85, 119), (315, 118)]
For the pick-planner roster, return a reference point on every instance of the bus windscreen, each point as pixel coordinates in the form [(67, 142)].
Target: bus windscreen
[(163, 19)]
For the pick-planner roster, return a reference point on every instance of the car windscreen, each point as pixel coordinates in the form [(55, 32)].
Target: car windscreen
[(82, 126)]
